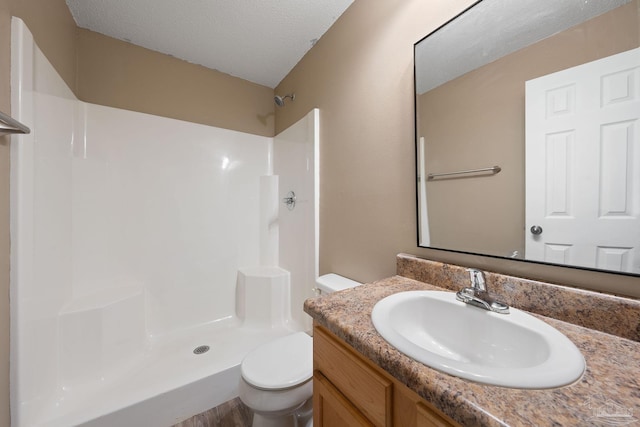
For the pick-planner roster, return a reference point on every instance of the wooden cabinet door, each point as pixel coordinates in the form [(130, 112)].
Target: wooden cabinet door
[(349, 391), (366, 389), (331, 408), (428, 417)]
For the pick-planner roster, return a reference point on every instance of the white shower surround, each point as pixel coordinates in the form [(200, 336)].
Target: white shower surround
[(128, 231)]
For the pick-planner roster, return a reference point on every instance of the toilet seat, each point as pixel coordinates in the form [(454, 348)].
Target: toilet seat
[(280, 364)]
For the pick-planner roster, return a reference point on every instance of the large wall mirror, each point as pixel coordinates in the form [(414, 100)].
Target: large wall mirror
[(528, 133)]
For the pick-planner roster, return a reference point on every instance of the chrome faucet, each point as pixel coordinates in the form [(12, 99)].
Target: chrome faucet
[(477, 279), (478, 295)]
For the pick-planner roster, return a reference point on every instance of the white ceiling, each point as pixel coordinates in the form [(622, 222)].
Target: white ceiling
[(256, 40), (493, 29)]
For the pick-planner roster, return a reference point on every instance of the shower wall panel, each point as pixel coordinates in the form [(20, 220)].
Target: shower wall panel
[(168, 205), (123, 226), (40, 222), (295, 161)]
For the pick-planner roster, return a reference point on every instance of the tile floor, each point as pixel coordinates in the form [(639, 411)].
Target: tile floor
[(230, 414)]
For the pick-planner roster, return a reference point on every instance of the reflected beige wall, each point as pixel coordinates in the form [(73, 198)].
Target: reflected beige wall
[(360, 75), (486, 213)]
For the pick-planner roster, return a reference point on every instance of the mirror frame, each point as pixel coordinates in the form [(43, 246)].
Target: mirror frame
[(417, 177)]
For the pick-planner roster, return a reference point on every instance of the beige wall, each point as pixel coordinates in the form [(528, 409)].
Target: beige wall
[(54, 30), (106, 71), (122, 75), (360, 75), (491, 101)]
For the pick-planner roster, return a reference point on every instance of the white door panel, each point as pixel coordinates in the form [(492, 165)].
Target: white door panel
[(583, 165)]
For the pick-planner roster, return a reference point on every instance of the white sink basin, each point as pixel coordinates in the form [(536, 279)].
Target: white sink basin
[(511, 350)]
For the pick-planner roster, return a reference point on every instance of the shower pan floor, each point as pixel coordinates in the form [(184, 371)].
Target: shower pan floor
[(166, 384)]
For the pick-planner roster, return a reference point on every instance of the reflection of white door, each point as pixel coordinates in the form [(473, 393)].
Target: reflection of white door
[(583, 165)]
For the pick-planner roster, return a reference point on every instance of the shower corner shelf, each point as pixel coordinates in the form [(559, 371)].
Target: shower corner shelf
[(10, 126)]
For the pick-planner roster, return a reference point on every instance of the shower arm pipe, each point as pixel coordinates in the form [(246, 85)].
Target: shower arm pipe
[(279, 100), (9, 125)]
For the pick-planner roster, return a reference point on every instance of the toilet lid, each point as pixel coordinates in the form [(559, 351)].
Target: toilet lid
[(282, 363)]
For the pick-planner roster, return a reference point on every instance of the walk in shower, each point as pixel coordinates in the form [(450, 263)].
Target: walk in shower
[(129, 233)]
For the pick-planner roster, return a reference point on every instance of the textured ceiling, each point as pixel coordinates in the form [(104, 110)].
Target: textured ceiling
[(256, 40), (496, 28)]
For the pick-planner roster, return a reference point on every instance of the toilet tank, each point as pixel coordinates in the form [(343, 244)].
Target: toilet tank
[(332, 282)]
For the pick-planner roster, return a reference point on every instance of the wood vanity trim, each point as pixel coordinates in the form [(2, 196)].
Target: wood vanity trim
[(332, 408), (365, 388), (352, 382), (428, 416)]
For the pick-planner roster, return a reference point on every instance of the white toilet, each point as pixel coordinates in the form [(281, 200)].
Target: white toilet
[(276, 377)]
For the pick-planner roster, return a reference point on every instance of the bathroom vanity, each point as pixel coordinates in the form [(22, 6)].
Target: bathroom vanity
[(360, 379), (350, 390)]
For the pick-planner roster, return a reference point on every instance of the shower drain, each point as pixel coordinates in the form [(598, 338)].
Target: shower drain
[(201, 349)]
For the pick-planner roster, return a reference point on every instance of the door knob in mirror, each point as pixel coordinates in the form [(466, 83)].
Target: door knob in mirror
[(536, 229)]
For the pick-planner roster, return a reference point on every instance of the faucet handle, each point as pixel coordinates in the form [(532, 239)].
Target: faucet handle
[(477, 279)]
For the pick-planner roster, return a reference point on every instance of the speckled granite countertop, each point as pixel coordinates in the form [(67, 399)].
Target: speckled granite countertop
[(607, 394)]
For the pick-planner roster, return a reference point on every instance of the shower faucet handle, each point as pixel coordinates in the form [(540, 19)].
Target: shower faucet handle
[(290, 200)]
